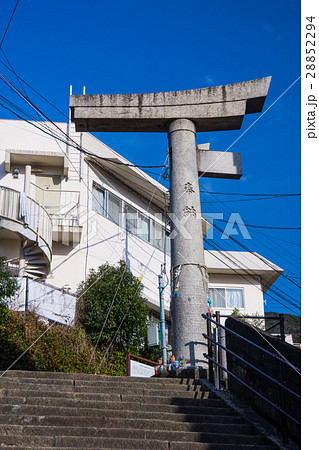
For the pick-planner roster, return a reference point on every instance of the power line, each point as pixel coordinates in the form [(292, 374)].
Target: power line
[(256, 329), (276, 290), (262, 226), (251, 199), (5, 33), (248, 250), (239, 265), (39, 127), (13, 71), (265, 261), (250, 195), (264, 236), (67, 137), (30, 87)]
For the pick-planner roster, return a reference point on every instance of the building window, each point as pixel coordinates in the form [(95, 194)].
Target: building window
[(227, 297), (144, 227), (110, 206), (137, 223), (106, 204), (99, 200), (114, 208)]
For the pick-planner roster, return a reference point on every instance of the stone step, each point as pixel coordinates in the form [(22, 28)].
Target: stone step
[(171, 445), (81, 423), (155, 381), (53, 438), (100, 383), (74, 392), (222, 446), (40, 442), (101, 401), (89, 377), (66, 410), (134, 433), (104, 387), (183, 412), (193, 406)]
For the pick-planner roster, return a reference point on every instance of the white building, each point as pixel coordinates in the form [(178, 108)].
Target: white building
[(238, 280), (63, 212)]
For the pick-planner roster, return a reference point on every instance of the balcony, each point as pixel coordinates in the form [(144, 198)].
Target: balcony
[(63, 208)]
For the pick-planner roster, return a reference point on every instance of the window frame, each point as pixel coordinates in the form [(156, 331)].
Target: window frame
[(150, 237), (242, 289)]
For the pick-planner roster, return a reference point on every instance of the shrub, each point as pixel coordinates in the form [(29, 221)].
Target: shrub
[(56, 348), (112, 293)]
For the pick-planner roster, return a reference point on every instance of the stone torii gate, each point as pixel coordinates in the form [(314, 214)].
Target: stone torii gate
[(181, 114)]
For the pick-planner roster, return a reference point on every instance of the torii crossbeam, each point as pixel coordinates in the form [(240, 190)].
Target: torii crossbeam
[(181, 114)]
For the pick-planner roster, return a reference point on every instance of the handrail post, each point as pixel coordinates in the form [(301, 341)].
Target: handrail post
[(210, 348), (282, 327), (217, 352), (284, 424)]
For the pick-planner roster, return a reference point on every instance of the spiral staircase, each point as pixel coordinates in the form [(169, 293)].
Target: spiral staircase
[(24, 220)]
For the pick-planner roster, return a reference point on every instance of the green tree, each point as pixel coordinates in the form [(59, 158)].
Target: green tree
[(107, 296), (8, 284)]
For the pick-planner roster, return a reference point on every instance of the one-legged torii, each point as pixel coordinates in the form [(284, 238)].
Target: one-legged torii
[(181, 114)]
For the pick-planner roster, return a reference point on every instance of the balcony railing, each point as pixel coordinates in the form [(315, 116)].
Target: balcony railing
[(61, 205), (23, 210)]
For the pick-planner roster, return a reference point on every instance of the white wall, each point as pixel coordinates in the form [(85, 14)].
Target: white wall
[(44, 300)]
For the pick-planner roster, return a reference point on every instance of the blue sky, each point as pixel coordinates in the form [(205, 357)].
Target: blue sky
[(143, 46)]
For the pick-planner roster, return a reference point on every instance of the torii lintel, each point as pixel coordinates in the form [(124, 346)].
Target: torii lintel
[(210, 109)]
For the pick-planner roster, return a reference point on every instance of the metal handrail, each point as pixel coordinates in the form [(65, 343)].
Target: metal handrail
[(217, 362), (254, 391), (252, 343), (280, 322), (253, 367)]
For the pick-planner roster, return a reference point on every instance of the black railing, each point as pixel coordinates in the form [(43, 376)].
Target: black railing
[(214, 359), (280, 322)]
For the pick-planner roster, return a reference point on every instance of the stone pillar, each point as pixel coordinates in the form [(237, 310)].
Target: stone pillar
[(187, 252)]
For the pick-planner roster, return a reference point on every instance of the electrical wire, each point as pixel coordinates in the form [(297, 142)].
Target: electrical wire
[(57, 137), (68, 139), (30, 87), (263, 337), (112, 161), (239, 265), (250, 251), (276, 290), (264, 236), (250, 199), (6, 30), (250, 195), (262, 226)]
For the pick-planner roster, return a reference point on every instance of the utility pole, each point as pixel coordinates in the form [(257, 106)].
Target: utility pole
[(181, 114)]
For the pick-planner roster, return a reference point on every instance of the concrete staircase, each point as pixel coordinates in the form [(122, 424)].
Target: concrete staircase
[(59, 410)]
